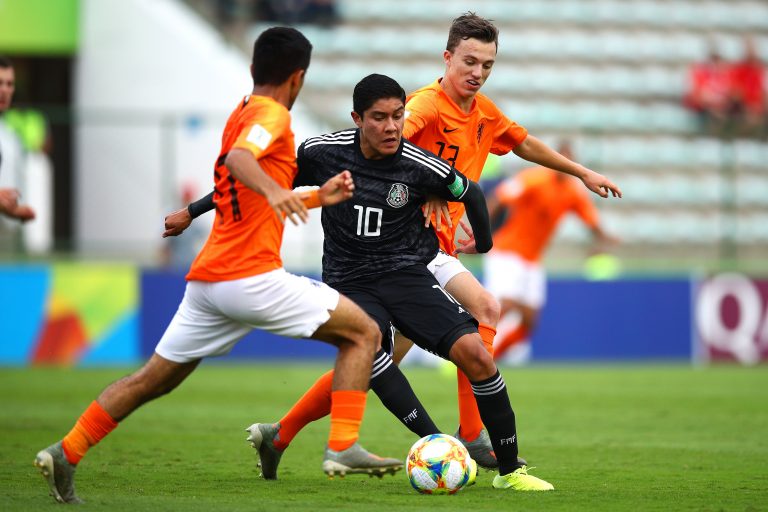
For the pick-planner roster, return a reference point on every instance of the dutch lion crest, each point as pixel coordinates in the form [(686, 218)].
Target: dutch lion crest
[(397, 196)]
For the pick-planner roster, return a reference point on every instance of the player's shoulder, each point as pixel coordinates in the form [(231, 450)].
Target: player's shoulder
[(424, 160), (487, 105), (329, 141), (262, 110), (429, 95)]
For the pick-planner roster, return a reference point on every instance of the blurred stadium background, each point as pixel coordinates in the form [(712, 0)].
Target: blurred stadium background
[(133, 95)]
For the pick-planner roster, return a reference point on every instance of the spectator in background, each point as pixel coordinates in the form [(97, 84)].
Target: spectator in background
[(709, 92), (748, 91), (9, 197), (535, 200)]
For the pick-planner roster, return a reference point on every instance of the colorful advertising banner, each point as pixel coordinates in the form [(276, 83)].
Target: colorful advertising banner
[(94, 314)]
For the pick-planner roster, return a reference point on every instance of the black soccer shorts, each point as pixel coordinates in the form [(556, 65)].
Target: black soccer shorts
[(412, 300)]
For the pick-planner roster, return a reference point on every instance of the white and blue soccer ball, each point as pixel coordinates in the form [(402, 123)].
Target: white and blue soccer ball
[(439, 464)]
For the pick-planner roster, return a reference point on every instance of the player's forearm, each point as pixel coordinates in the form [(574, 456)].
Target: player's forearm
[(246, 170), (201, 206), (477, 213), (534, 150)]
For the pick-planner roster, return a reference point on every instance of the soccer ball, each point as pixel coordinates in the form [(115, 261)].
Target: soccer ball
[(439, 464)]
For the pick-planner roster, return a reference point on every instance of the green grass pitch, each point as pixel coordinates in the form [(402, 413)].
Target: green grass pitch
[(662, 437)]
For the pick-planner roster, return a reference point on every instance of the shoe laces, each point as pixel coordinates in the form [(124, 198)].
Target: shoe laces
[(523, 470)]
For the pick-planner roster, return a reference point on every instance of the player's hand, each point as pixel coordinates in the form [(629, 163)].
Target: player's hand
[(337, 189), (288, 204), (599, 184), (23, 213), (177, 222), (440, 208), (9, 205), (466, 245), (9, 198)]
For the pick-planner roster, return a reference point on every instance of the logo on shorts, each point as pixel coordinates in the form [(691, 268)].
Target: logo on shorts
[(398, 195)]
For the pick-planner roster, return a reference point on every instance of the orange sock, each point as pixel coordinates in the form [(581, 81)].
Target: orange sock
[(313, 405), (93, 425), (347, 408), (470, 423), (510, 340)]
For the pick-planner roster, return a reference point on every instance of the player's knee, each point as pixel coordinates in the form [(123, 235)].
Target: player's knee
[(367, 335), (473, 359), (488, 309)]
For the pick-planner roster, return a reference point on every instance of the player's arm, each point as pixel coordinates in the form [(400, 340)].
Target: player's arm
[(246, 169), (334, 191), (601, 239), (178, 221), (534, 150), (477, 214), (461, 189)]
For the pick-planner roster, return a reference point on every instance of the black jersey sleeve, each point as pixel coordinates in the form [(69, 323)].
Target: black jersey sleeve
[(307, 175)]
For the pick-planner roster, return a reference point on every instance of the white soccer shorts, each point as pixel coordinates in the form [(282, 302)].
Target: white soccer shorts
[(214, 316), (445, 267), (508, 276)]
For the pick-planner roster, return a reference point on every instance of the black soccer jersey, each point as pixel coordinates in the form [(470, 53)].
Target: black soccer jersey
[(381, 228)]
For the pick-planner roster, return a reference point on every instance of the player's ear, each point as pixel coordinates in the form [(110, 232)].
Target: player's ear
[(357, 119), (447, 57), (297, 78)]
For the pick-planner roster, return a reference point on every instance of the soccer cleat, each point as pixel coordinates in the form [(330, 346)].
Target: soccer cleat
[(262, 437), (481, 450), (520, 480), (356, 459), (58, 472)]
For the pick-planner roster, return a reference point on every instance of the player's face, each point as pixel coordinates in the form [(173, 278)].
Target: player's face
[(469, 65), (381, 128), (7, 86)]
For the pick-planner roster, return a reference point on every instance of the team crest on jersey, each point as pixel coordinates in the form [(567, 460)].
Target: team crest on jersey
[(398, 195)]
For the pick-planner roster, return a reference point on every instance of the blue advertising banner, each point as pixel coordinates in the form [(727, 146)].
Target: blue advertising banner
[(628, 319)]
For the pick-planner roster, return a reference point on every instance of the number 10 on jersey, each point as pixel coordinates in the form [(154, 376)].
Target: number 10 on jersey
[(368, 220)]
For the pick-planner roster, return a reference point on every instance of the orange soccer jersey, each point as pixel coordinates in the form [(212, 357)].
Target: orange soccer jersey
[(436, 123), (246, 236), (538, 197)]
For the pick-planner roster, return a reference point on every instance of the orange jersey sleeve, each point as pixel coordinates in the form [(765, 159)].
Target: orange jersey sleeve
[(434, 122), (247, 234), (538, 198)]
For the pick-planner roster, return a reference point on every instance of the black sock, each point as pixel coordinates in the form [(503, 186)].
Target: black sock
[(499, 418), (395, 392)]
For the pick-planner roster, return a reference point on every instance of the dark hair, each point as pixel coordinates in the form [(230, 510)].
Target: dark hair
[(373, 88), (470, 25), (278, 52), (5, 62)]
